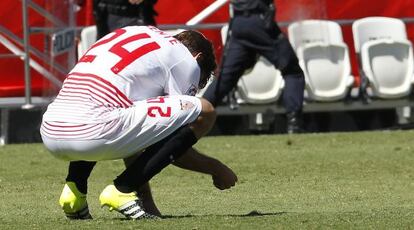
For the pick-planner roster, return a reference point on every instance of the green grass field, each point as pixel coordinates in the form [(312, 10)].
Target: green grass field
[(311, 181)]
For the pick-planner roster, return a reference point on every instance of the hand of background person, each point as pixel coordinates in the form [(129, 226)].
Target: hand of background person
[(225, 178), (135, 2)]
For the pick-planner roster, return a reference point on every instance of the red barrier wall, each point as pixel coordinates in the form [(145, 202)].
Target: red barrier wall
[(179, 12), (11, 69)]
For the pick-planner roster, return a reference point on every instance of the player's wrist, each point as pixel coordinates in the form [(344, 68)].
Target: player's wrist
[(217, 168)]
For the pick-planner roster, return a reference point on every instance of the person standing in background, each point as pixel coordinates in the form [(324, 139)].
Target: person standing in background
[(253, 30)]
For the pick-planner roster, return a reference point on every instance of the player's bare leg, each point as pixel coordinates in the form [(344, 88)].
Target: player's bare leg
[(205, 120)]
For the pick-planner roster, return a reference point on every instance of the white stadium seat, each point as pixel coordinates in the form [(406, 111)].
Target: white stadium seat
[(87, 38), (386, 56), (259, 85), (262, 84), (324, 58)]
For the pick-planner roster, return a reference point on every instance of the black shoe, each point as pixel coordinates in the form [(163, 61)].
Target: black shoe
[(294, 122)]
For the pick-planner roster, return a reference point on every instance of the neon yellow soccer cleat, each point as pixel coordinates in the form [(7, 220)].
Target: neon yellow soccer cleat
[(74, 203), (128, 204)]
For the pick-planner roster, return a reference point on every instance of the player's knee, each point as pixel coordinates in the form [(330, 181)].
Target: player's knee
[(207, 110), (205, 120), (208, 113)]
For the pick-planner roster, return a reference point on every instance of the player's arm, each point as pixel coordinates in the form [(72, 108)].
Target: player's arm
[(223, 177)]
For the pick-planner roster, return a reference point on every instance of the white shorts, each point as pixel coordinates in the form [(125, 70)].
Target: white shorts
[(138, 127)]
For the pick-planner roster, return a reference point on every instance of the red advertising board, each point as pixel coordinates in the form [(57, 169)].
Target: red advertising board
[(179, 12)]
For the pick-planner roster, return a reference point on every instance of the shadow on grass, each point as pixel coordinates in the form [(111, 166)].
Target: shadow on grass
[(250, 214), (253, 213)]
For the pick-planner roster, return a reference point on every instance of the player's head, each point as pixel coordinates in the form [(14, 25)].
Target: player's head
[(202, 50)]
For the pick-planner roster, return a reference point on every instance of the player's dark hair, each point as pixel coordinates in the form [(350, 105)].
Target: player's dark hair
[(196, 42)]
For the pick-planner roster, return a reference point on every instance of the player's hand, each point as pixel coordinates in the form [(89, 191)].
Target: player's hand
[(135, 2), (225, 178)]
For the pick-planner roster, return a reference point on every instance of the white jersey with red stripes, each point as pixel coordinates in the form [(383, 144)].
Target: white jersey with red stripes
[(126, 66)]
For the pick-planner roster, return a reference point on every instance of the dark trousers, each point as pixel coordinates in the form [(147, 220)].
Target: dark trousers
[(249, 37), (107, 22)]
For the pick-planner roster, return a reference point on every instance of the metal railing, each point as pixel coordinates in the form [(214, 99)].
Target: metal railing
[(21, 48), (10, 39)]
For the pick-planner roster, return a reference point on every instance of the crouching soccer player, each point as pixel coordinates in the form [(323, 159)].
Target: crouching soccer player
[(131, 97)]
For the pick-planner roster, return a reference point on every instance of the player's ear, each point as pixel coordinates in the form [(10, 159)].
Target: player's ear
[(198, 55)]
